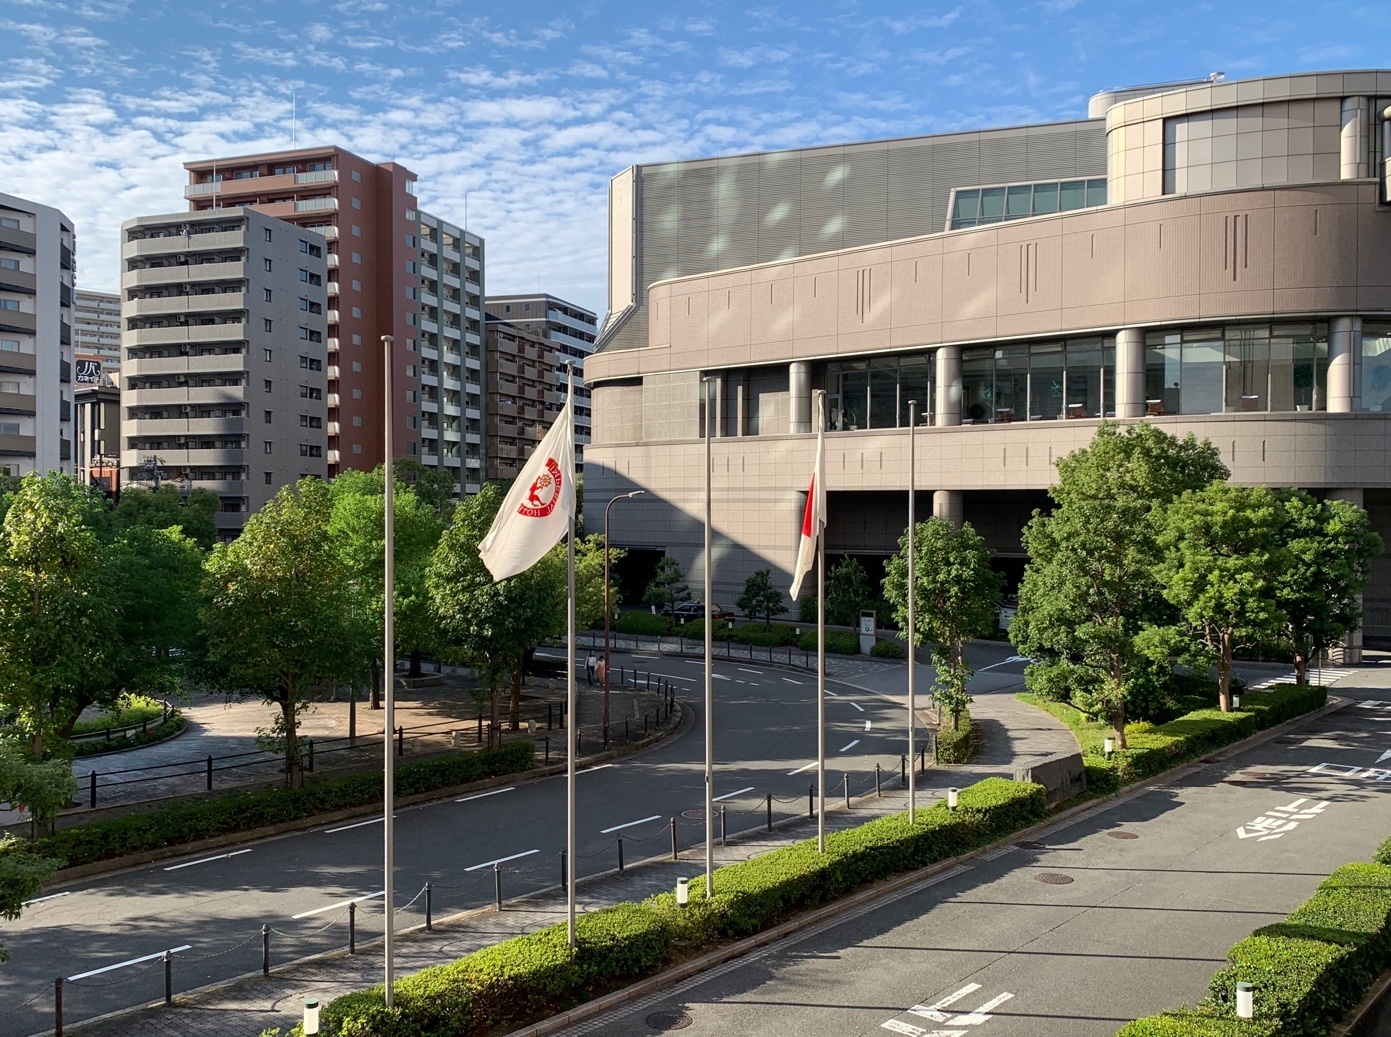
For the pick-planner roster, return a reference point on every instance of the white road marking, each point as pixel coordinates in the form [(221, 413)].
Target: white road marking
[(791, 681), (205, 860), (355, 824), (673, 677), (867, 723), (738, 681), (341, 903), (1006, 662), (907, 1029), (743, 669), (934, 1010), (692, 662), (721, 677), (483, 795), (628, 824), (731, 795), (852, 745), (856, 705), (51, 896), (133, 961), (1384, 756), (799, 770), (596, 767), (981, 1014), (501, 860), (832, 693)]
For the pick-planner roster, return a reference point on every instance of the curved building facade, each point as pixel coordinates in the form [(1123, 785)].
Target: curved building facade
[(1213, 257)]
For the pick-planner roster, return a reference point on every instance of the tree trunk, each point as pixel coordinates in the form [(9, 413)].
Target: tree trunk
[(415, 663), (294, 768), (495, 721), (1118, 726), (1118, 711), (1224, 672), (376, 684), (1301, 667), (515, 706)]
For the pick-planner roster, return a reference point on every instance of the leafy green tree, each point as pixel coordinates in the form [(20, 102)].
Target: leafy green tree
[(22, 876), (279, 619), (492, 627), (165, 507), (589, 579), (1223, 554), (956, 599), (1330, 546), (1090, 587), (761, 598), (848, 590), (436, 487), (668, 586)]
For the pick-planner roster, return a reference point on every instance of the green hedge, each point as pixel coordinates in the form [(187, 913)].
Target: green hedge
[(644, 623), (884, 649), (1383, 855), (776, 636), (694, 630), (97, 746), (243, 811), (537, 975), (1308, 971), (957, 745), (1151, 749), (128, 711), (838, 642)]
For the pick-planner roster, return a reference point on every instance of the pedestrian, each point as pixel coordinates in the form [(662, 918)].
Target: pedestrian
[(601, 672), (589, 663)]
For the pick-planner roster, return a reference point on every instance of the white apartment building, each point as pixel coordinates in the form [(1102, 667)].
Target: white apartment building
[(96, 336), (224, 369), (37, 271)]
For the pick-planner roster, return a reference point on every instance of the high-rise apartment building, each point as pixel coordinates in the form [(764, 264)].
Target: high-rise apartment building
[(522, 399), (37, 273), (96, 336), (224, 377), (383, 253), (572, 329)]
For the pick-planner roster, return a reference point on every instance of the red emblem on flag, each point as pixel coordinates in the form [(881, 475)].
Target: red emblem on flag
[(544, 493)]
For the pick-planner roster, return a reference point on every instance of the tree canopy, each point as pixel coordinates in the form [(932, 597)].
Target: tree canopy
[(761, 599), (165, 507), (668, 585)]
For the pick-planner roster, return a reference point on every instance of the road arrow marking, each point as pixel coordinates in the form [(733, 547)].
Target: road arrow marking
[(934, 1010), (981, 1014)]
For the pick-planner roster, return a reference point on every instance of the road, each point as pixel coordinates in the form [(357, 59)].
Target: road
[(1119, 913), (216, 903)]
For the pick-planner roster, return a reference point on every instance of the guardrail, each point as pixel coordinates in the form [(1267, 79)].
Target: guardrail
[(673, 645), (120, 732)]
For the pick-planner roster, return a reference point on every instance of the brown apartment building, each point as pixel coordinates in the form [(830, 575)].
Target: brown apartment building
[(388, 264), (522, 398)]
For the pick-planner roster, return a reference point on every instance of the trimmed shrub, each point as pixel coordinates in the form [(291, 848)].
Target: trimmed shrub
[(642, 623), (957, 745), (778, 636), (838, 642), (96, 746), (244, 811), (1383, 855), (694, 630), (1195, 1024), (128, 711), (537, 975), (884, 649)]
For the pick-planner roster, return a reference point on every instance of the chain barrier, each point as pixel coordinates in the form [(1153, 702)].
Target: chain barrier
[(192, 958), (128, 978)]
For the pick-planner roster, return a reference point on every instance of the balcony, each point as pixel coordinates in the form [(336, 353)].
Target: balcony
[(214, 303), (332, 371), (154, 367), (332, 428), (17, 446), (332, 287), (198, 272), (167, 428), (317, 176), (332, 259), (17, 363), (181, 244), (317, 205), (331, 316), (204, 395), (16, 403), (232, 332), (331, 399)]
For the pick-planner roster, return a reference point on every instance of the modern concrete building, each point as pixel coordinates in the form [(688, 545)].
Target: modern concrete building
[(523, 401), (223, 378), (97, 425), (37, 272), (573, 330), (1213, 257), (383, 255), (96, 336)]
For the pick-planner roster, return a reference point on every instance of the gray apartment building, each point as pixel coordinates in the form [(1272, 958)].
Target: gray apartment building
[(573, 331), (224, 373), (1213, 257), (96, 333), (37, 272), (522, 399)]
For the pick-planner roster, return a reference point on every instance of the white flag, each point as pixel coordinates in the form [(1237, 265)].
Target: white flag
[(540, 507), (814, 519)]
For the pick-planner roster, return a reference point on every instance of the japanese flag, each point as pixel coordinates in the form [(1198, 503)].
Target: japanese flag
[(540, 507), (814, 519)]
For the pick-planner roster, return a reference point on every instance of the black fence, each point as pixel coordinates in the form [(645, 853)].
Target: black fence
[(672, 645)]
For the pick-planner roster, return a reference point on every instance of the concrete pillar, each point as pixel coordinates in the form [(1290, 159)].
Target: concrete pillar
[(948, 386), (1386, 153), (799, 396), (949, 505), (741, 406), (1349, 653), (1344, 364), (1354, 144), (1130, 373), (721, 410)]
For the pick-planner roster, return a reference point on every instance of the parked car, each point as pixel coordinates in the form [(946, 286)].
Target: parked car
[(696, 610)]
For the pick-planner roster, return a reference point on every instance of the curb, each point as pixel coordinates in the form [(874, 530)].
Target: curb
[(1354, 1019), (125, 749)]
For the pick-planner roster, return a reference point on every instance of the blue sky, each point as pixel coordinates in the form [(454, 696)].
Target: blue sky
[(529, 108)]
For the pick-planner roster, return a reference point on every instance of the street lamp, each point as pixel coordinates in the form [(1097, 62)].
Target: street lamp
[(607, 616)]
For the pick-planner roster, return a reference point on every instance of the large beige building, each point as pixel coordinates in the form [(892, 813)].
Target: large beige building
[(224, 373), (1213, 257)]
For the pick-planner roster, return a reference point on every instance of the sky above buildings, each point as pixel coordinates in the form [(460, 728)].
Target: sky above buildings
[(516, 115)]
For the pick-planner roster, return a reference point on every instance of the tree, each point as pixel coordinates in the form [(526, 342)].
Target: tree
[(1330, 546), (492, 626), (848, 590), (668, 586), (279, 619), (165, 507), (589, 579), (1090, 588), (22, 876), (1222, 557), (761, 598), (44, 789), (436, 487), (957, 597)]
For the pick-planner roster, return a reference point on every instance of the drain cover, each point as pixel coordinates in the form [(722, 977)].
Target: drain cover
[(1052, 878), (669, 1020), (1030, 844), (1117, 833)]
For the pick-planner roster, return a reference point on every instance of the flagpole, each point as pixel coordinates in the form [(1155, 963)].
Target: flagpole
[(709, 651), (389, 682), (572, 721), (912, 615), (820, 641)]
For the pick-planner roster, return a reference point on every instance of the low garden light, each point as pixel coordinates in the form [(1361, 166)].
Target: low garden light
[(951, 799), (1109, 747), (311, 1017), (1245, 1001), (1236, 700), (683, 892)]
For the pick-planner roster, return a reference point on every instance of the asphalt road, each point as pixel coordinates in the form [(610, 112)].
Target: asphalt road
[(215, 904), (1120, 913)]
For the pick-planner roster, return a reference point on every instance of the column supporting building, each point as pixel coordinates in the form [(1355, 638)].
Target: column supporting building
[(799, 396), (949, 386), (1130, 373), (1344, 364), (949, 505)]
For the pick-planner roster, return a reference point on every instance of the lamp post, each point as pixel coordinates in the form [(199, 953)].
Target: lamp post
[(389, 682), (607, 615)]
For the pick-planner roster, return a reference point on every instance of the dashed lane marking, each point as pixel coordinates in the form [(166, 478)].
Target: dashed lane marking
[(858, 706), (731, 795), (852, 745)]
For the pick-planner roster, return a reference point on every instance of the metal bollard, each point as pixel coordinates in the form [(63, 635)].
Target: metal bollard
[(903, 768), (166, 714), (265, 949), (429, 907), (723, 829), (547, 741), (579, 736), (92, 789), (811, 800), (58, 1007), (564, 872), (878, 787), (401, 741), (311, 755), (480, 728), (673, 839), (497, 886), (770, 811), (108, 734), (352, 928), (847, 792), (626, 736), (549, 722), (644, 725), (168, 978), (210, 773), (620, 853), (145, 726)]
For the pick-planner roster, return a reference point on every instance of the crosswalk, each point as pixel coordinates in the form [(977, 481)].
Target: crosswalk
[(1326, 676)]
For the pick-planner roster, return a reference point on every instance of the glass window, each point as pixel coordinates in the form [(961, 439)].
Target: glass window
[(1247, 382), (1201, 377), (1085, 377), (915, 383), (1308, 366), (1046, 382), (1072, 194), (1108, 378), (1376, 367), (1011, 383), (1163, 353), (977, 386), (883, 394), (992, 204), (854, 397), (1096, 192), (1045, 198), (967, 207), (1019, 201)]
